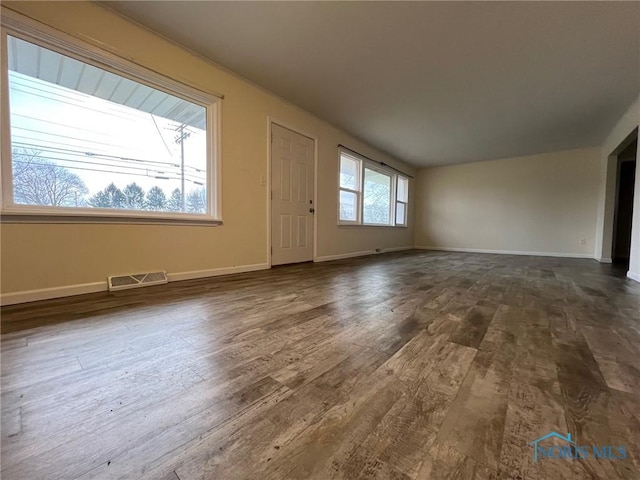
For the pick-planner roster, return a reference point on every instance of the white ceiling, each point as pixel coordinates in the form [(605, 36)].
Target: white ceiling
[(429, 82)]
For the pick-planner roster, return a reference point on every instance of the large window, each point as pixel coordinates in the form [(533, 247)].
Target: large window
[(371, 194), (100, 140)]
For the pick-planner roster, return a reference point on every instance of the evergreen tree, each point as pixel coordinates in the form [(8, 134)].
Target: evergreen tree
[(197, 201), (110, 197), (134, 197), (174, 204), (156, 199)]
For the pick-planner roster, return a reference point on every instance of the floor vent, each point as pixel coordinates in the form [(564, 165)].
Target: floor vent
[(123, 282)]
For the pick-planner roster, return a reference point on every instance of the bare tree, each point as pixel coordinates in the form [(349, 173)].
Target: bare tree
[(38, 181)]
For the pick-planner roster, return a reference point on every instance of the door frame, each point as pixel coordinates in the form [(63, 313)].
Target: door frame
[(617, 203), (605, 252), (270, 122)]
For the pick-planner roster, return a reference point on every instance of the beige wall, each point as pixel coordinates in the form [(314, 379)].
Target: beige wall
[(40, 256), (540, 203)]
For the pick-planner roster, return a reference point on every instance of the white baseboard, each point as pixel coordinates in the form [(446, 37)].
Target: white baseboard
[(341, 256), (48, 293), (71, 290), (396, 249), (633, 276), (328, 258), (507, 252), (216, 272), (605, 260)]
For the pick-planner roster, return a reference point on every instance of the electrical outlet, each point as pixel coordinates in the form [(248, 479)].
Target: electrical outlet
[(583, 241)]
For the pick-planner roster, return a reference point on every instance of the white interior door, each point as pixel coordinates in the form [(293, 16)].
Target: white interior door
[(292, 207)]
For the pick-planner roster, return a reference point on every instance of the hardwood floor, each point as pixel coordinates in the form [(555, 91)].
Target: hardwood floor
[(414, 365)]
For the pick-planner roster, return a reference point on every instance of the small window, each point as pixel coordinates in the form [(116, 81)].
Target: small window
[(371, 194), (94, 141), (349, 189), (402, 200)]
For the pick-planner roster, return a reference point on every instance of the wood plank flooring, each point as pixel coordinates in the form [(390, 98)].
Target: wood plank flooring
[(412, 365)]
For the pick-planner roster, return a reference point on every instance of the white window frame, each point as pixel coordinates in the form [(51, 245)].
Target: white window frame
[(365, 163), (401, 202), (392, 193), (18, 26), (358, 192)]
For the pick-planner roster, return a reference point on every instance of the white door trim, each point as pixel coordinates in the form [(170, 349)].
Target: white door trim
[(270, 121)]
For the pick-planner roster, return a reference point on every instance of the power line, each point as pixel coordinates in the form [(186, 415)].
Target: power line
[(69, 126), (47, 142), (70, 167), (31, 139), (115, 169), (118, 110), (121, 117), (57, 123), (46, 87), (77, 139), (66, 160), (85, 154), (154, 171), (98, 170), (26, 81), (160, 134), (56, 135)]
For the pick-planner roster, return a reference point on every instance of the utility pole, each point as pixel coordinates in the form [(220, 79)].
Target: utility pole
[(182, 135)]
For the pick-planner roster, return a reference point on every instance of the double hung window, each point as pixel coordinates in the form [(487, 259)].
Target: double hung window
[(370, 194)]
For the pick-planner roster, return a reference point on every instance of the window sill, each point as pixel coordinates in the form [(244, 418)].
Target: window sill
[(8, 217), (359, 225)]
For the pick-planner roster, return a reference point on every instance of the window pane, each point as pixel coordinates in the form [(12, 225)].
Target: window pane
[(348, 206), (349, 169), (85, 137), (403, 189), (376, 197), (400, 214)]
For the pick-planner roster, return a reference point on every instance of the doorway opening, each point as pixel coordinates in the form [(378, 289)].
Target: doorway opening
[(623, 214)]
